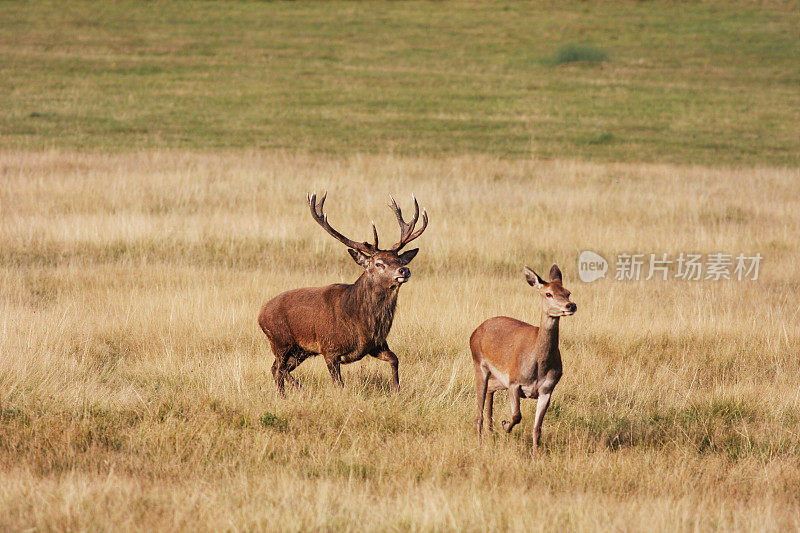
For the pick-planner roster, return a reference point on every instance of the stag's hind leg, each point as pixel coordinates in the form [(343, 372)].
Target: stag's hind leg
[(296, 357), (287, 360), (278, 374), (281, 353)]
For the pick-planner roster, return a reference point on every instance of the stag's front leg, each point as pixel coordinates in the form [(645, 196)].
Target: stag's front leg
[(385, 354), (334, 367)]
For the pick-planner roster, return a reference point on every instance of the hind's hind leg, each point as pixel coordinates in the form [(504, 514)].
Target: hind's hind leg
[(481, 384)]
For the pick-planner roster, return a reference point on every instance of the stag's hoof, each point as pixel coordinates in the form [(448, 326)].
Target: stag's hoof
[(506, 425)]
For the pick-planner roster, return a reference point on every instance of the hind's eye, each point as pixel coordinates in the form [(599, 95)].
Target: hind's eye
[(549, 295)]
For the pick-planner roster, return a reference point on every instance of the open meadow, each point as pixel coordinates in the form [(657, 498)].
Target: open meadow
[(136, 385), (154, 163)]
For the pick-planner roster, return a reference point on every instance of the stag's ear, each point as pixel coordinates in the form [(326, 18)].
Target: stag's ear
[(533, 278), (407, 256), (358, 257), (555, 273)]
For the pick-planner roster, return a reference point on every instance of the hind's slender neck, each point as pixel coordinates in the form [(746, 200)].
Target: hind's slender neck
[(547, 340)]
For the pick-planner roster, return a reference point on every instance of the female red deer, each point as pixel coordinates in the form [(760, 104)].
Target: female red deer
[(342, 322), (514, 355)]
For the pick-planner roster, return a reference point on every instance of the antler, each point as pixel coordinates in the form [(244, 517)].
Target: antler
[(407, 233), (322, 219)]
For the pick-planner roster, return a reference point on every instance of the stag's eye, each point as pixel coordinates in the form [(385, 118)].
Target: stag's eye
[(380, 264), (549, 294)]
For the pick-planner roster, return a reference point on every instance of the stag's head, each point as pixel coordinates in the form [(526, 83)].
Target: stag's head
[(387, 267), (555, 297)]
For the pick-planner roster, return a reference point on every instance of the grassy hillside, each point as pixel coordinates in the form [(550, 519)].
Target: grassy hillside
[(711, 83), (135, 389), (154, 159)]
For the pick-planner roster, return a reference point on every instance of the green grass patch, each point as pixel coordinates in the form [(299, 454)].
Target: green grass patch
[(579, 53), (708, 83), (273, 421)]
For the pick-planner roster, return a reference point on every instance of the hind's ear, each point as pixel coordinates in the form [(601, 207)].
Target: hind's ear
[(358, 257), (407, 256), (555, 273), (533, 278)]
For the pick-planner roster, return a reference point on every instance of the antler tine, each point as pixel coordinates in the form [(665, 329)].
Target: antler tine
[(375, 235), (322, 219), (407, 233), (416, 211), (420, 230), (396, 209), (404, 226), (399, 214), (322, 203)]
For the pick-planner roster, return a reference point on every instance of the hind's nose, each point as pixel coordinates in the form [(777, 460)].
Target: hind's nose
[(572, 307)]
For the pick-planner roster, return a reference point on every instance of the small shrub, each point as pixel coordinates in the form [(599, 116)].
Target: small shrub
[(577, 53), (9, 414), (603, 138), (274, 421)]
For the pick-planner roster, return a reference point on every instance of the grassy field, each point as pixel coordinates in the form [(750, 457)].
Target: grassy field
[(154, 161), (135, 385), (711, 82)]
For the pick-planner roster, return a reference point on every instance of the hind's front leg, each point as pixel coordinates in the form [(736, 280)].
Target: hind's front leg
[(516, 415), (541, 408)]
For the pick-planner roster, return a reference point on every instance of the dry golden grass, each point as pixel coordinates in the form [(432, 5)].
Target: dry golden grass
[(135, 390)]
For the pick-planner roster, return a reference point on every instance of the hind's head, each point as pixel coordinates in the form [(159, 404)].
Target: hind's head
[(555, 297)]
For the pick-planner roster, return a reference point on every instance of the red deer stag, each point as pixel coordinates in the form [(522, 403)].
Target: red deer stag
[(342, 322), (514, 355)]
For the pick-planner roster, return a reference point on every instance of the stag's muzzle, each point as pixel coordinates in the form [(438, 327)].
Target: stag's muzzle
[(403, 274)]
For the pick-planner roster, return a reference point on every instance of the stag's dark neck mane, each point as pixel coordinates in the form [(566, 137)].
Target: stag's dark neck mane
[(375, 305)]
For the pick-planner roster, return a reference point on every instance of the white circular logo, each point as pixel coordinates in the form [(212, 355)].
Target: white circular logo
[(591, 266)]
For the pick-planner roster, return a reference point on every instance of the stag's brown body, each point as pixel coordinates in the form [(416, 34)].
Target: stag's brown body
[(342, 322)]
